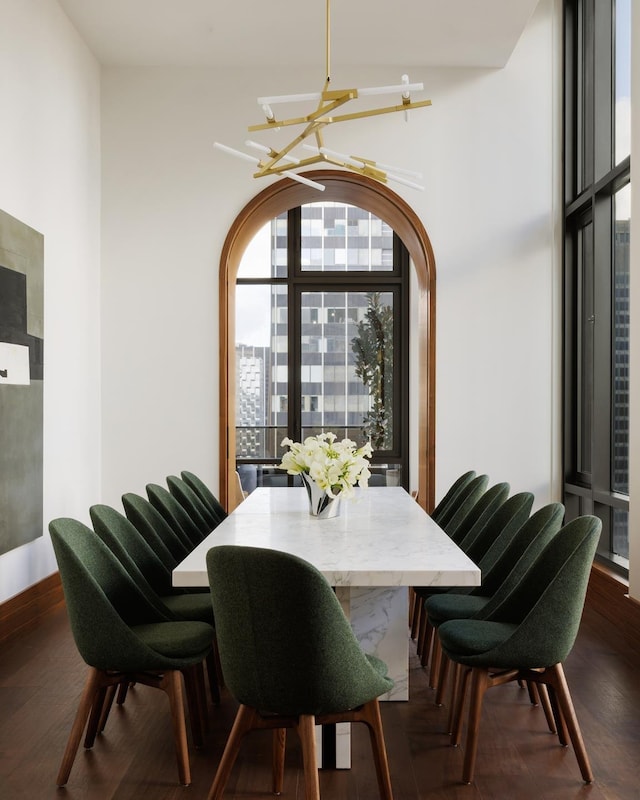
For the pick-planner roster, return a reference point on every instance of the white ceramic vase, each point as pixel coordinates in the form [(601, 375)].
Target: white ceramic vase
[(320, 504)]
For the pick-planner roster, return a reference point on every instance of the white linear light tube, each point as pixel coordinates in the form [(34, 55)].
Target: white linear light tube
[(404, 181), (312, 96), (237, 153), (264, 149), (301, 179)]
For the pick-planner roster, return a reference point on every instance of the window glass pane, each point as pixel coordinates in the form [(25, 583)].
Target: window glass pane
[(620, 355), (622, 66), (266, 253), (261, 370), (347, 366), (585, 347), (620, 534), (337, 237)]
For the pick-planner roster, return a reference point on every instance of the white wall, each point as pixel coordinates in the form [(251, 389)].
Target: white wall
[(488, 149), (49, 163)]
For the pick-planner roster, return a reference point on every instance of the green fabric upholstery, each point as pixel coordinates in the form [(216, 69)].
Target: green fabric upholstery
[(146, 569), (204, 493), (500, 580), (485, 542), (462, 503), (535, 625), (192, 504), (157, 532), (284, 642), (480, 513), (174, 514), (445, 507), (114, 625)]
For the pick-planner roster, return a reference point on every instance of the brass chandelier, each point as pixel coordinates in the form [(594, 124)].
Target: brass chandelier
[(281, 162)]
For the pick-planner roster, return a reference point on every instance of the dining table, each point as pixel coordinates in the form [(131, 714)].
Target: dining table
[(381, 543)]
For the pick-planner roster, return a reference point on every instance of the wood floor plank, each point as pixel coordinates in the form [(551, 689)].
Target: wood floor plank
[(41, 677)]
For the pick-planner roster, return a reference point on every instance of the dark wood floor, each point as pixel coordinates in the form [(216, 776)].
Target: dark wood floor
[(41, 677)]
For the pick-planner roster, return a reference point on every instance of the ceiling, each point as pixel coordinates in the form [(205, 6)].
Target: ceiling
[(231, 33)]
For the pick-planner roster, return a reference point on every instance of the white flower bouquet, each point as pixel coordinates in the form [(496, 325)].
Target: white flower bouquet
[(335, 466)]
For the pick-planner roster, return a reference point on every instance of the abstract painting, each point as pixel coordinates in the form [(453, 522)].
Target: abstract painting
[(21, 382)]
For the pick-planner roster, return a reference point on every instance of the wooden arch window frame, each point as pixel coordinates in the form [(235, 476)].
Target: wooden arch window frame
[(378, 199)]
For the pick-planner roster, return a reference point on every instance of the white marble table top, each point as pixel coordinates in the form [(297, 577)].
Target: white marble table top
[(382, 537)]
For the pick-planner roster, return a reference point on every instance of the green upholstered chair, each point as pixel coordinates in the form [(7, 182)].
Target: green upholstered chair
[(290, 658), (528, 635), (440, 513), (449, 520), (192, 504), (204, 493), (174, 514), (484, 547), (153, 578), (500, 575), (475, 510), (122, 637), (157, 532)]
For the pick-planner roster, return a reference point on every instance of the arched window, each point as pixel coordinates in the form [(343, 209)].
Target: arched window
[(340, 298)]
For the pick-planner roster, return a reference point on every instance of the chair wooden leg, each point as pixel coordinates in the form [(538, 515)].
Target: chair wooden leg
[(279, 746), (171, 683), (122, 692), (91, 689), (428, 638), (559, 682), (194, 689), (416, 604), (245, 720), (101, 700), (371, 716), (534, 699), (436, 656), (442, 678), (421, 625), (456, 734), (479, 683), (455, 688), (561, 725), (306, 732), (546, 707)]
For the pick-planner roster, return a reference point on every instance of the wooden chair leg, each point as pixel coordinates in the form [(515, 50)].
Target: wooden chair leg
[(416, 604), (122, 691), (421, 624), (561, 725), (245, 720), (456, 734), (455, 688), (479, 685), (442, 678), (171, 683), (428, 638), (194, 688), (102, 699), (559, 682), (279, 745), (534, 699), (306, 732), (436, 656), (371, 716), (91, 689), (546, 707)]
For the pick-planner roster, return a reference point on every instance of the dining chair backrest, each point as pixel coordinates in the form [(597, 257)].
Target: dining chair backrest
[(204, 493), (129, 547), (192, 504), (464, 502), (155, 529), (500, 577), (102, 600), (485, 542), (285, 644), (480, 513), (546, 605), (442, 509), (175, 515)]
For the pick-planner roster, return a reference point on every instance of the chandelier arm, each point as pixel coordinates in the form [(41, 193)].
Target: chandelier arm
[(374, 112)]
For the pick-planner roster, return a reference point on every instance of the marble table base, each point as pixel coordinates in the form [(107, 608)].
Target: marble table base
[(378, 616)]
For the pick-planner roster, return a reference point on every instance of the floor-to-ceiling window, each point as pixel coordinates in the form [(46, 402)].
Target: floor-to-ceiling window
[(322, 331), (597, 222)]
